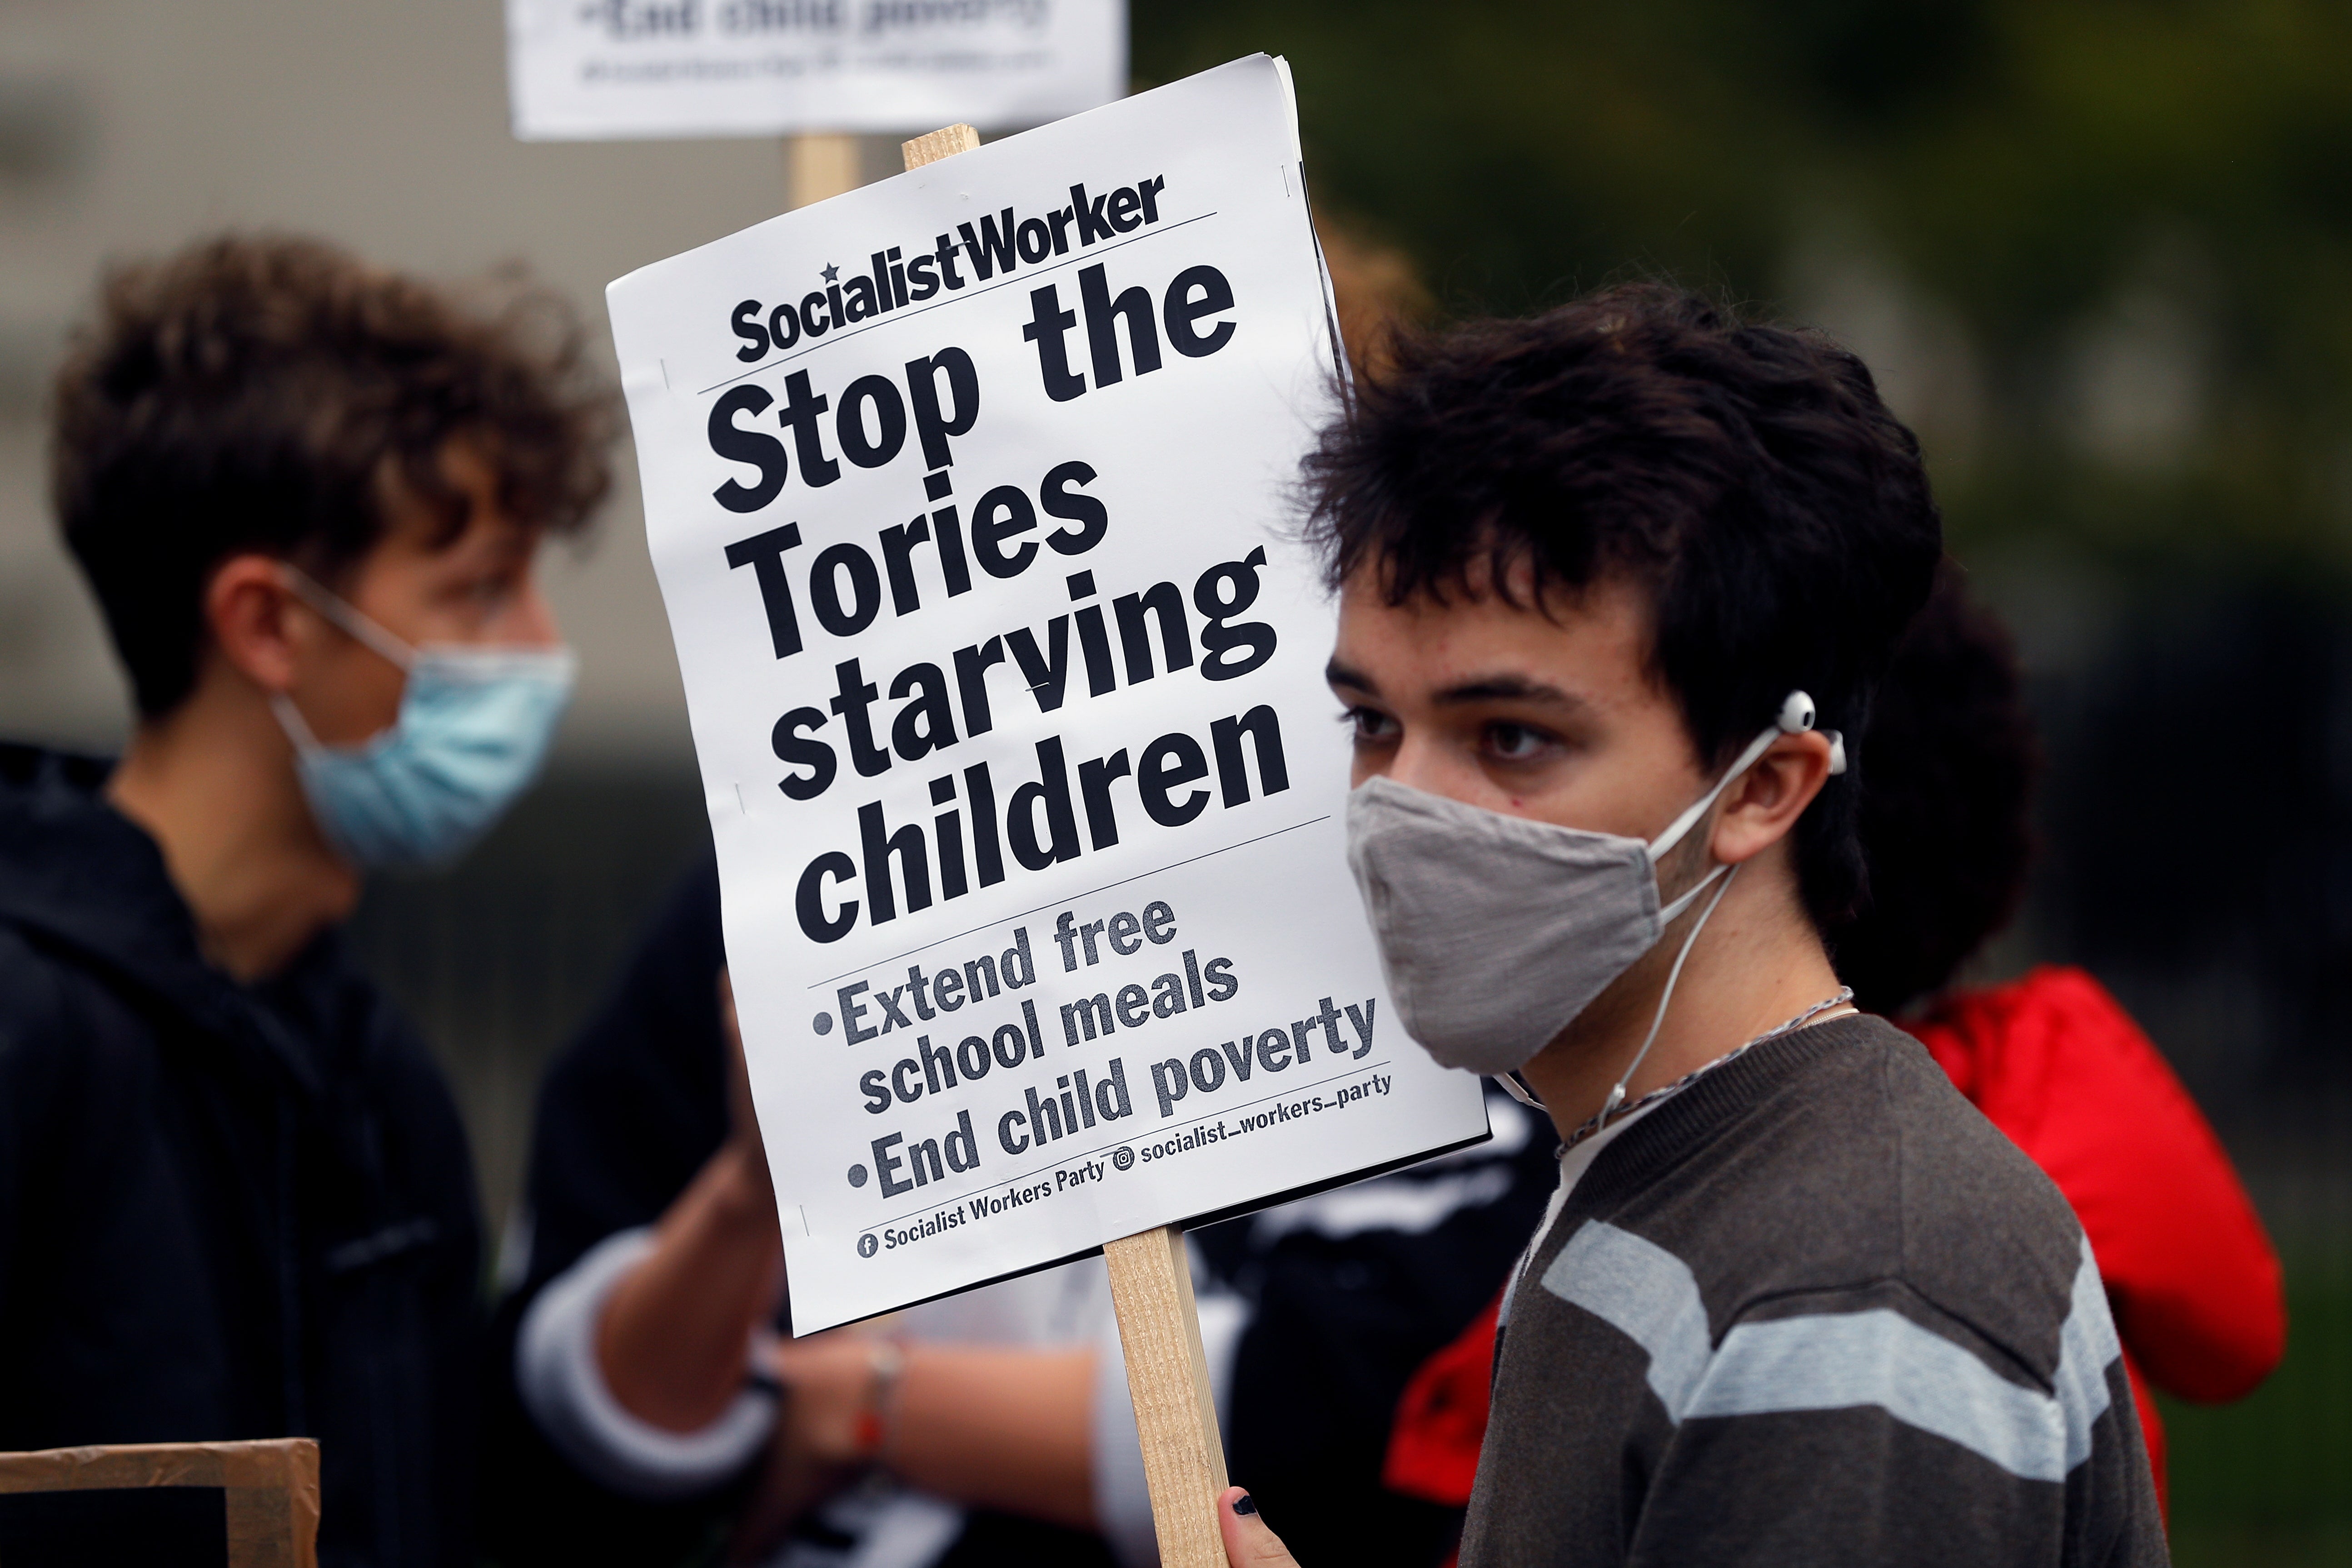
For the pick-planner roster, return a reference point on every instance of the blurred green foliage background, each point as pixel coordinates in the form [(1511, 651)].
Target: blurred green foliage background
[(2098, 251)]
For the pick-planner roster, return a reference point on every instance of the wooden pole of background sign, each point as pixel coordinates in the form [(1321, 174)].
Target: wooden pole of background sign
[(1152, 1289), (939, 144), (821, 166)]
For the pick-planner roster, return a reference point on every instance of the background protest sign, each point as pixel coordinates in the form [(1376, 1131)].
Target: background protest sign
[(966, 495), (591, 69)]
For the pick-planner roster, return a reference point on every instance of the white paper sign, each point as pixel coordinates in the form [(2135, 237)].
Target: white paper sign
[(593, 69), (1005, 677)]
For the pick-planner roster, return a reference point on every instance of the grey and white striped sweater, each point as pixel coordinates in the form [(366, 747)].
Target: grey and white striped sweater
[(1813, 1310)]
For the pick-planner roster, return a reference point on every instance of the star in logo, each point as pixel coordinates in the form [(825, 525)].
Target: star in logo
[(832, 273)]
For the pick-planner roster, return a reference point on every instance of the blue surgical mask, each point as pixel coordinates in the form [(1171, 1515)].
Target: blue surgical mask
[(474, 729)]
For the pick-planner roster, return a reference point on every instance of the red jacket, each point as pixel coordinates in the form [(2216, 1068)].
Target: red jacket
[(2055, 1063)]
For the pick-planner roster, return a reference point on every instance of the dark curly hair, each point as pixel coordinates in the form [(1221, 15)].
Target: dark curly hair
[(1748, 477), (1945, 814), (271, 394)]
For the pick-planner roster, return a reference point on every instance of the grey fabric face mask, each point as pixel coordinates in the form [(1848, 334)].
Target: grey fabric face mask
[(1495, 932)]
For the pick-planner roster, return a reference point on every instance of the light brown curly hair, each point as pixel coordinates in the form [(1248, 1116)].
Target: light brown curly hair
[(275, 393)]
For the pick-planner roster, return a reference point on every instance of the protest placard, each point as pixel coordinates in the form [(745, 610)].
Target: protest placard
[(592, 69), (968, 496)]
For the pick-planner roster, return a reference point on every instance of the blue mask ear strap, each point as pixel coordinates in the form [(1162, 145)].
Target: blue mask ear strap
[(298, 730), (347, 618)]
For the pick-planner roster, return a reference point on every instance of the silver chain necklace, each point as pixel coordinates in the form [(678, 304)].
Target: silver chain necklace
[(1591, 1124)]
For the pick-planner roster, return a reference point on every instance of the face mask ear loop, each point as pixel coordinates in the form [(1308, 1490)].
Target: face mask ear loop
[(1617, 1095), (1673, 911), (347, 618), (298, 730), (1740, 764)]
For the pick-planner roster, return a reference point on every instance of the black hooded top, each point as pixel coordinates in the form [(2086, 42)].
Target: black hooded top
[(225, 1210)]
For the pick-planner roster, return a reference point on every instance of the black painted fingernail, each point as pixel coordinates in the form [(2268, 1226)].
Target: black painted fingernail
[(1245, 1504)]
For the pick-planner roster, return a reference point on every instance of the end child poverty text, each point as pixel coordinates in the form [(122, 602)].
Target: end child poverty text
[(1084, 1095)]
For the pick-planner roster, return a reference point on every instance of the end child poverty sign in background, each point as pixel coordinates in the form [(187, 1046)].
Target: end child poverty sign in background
[(968, 495), (594, 69)]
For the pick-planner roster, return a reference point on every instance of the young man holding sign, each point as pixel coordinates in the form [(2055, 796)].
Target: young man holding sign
[(1611, 581)]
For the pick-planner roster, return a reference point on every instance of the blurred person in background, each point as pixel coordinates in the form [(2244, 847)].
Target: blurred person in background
[(236, 1200), (2050, 1058), (647, 1407)]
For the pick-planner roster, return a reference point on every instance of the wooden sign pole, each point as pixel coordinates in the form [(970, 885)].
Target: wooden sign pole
[(1151, 1290), (1168, 1379)]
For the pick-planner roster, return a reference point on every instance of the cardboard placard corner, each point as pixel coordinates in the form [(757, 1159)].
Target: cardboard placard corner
[(259, 1501), (968, 495)]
